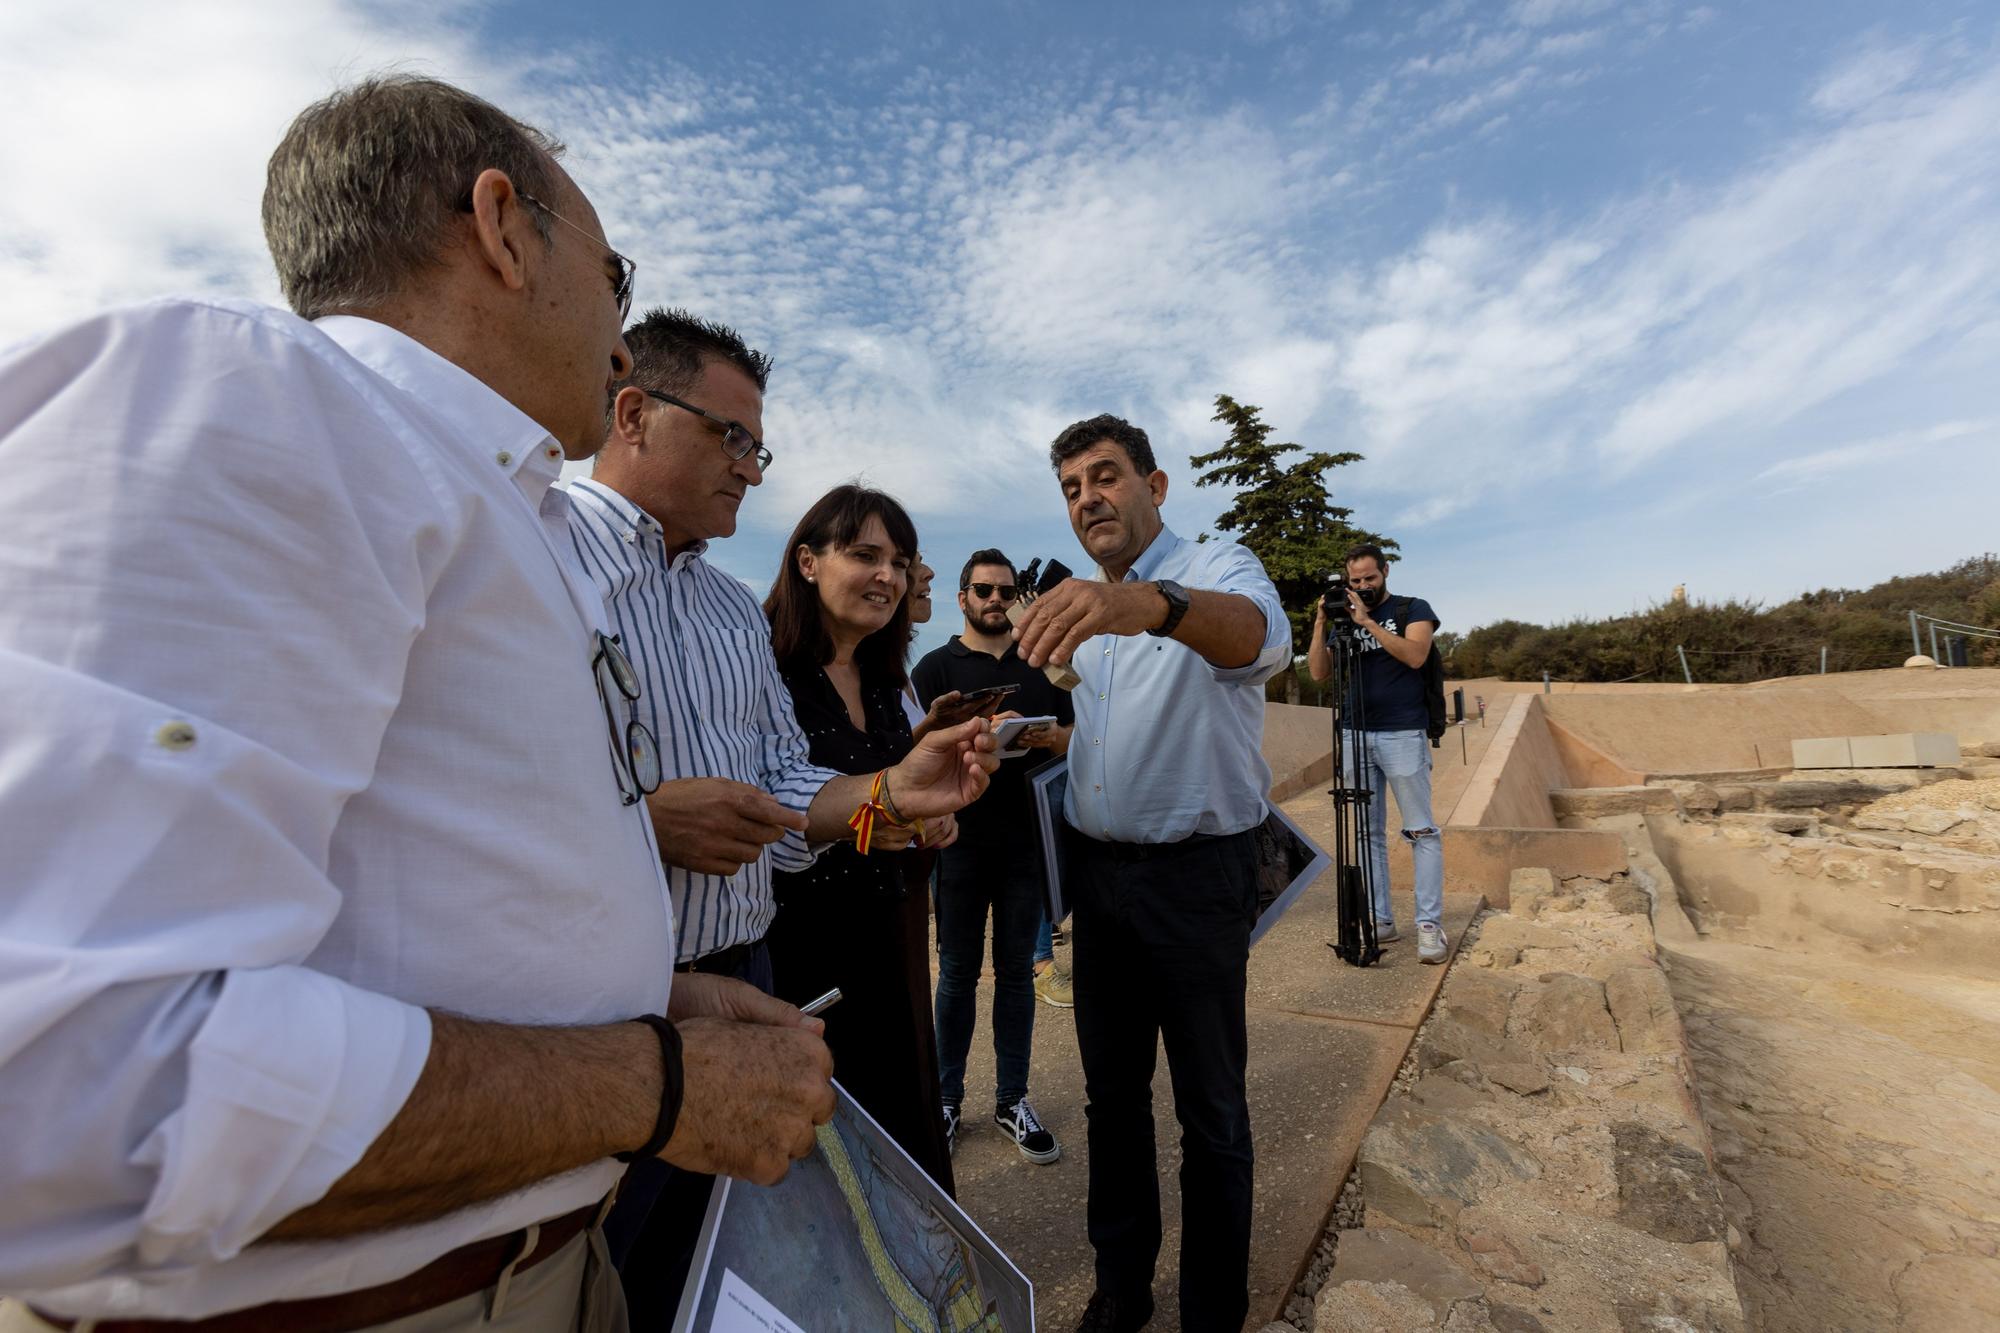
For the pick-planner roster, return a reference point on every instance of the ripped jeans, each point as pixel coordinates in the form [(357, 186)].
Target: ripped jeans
[(1400, 761)]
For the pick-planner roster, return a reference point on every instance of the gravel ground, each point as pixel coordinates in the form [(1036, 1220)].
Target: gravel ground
[(1951, 794)]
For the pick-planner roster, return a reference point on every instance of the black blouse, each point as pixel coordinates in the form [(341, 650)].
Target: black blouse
[(833, 742)]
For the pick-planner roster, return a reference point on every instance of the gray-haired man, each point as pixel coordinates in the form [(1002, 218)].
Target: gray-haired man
[(333, 914)]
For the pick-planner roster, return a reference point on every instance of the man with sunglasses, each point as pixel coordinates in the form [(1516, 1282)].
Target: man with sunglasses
[(996, 864), (737, 796)]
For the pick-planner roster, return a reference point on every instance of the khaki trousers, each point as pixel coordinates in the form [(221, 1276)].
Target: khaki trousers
[(574, 1290)]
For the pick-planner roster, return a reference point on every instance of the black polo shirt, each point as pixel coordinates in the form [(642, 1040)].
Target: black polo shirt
[(1005, 810)]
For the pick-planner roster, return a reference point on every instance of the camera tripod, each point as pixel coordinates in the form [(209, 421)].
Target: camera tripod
[(1353, 807)]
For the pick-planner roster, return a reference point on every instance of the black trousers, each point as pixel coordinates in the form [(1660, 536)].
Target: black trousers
[(1162, 944)]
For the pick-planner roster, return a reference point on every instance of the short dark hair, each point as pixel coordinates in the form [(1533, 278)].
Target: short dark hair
[(670, 347), (364, 190), (1366, 551), (1082, 435), (798, 631), (989, 556)]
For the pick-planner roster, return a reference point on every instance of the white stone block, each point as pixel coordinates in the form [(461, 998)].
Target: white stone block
[(1922, 749), (1824, 752)]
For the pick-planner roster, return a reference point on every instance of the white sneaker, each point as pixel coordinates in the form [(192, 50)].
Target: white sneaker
[(1385, 932), (1432, 946)]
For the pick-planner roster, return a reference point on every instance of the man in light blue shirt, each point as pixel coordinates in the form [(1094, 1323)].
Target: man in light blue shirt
[(1174, 641)]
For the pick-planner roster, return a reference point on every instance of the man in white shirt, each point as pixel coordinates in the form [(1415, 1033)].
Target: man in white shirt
[(332, 926)]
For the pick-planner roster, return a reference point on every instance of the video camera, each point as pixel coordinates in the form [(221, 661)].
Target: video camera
[(1335, 599), (1334, 602)]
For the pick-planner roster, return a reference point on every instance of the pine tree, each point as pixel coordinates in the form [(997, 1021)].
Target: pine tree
[(1283, 514)]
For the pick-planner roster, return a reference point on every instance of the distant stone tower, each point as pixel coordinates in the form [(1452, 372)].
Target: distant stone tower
[(1680, 597)]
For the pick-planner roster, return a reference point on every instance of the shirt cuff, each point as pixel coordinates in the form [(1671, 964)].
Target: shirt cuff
[(291, 1078), (1275, 655)]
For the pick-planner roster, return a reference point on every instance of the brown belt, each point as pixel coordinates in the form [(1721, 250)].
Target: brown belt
[(465, 1270)]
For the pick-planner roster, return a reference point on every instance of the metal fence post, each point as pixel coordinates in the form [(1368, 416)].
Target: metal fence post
[(1684, 663)]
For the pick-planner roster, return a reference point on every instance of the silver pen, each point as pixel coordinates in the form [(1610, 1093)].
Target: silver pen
[(817, 1006)]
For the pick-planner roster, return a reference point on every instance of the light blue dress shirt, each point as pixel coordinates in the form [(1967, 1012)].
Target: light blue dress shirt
[(1167, 744)]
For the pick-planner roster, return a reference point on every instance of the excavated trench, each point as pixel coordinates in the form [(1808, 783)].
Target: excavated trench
[(1837, 970)]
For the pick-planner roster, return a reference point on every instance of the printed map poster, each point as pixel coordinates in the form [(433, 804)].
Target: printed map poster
[(856, 1237)]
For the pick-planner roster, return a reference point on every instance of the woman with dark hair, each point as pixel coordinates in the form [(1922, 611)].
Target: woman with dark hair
[(840, 630)]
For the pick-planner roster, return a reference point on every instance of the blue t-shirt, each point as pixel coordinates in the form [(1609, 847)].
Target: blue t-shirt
[(1392, 695)]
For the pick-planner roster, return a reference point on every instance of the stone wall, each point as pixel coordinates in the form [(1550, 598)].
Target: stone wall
[(1542, 1162)]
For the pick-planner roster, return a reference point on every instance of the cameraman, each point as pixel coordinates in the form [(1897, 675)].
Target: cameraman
[(1386, 715)]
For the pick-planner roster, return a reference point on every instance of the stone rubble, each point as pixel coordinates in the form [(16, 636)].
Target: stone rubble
[(1540, 1162)]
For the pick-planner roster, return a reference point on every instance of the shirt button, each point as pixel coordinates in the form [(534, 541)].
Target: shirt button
[(553, 451), (1100, 696), (175, 735), (1098, 787), (503, 458), (1107, 652), (1097, 740)]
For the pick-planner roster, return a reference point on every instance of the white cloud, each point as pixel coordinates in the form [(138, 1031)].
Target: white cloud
[(1681, 316), (137, 135), (1869, 75), (1877, 450), (1541, 13)]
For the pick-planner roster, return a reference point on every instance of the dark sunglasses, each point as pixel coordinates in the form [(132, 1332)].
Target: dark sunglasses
[(1008, 592), (736, 438)]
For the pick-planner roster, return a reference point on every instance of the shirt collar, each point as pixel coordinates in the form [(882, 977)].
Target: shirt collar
[(957, 647), (517, 443), (638, 523), (1151, 558)]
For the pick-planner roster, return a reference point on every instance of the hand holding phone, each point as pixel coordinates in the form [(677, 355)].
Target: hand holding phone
[(950, 712), (1009, 732)]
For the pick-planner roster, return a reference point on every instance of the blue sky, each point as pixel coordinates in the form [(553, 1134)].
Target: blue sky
[(1612, 296)]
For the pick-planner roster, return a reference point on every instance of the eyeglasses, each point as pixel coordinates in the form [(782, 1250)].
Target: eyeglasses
[(622, 285), (1008, 592), (640, 752), (737, 440)]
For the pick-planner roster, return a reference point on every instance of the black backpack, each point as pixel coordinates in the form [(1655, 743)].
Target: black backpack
[(1433, 673)]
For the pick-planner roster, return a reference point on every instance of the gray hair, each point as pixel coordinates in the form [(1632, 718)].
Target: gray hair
[(364, 190)]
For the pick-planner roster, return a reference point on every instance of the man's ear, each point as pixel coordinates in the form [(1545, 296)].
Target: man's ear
[(628, 417), (1157, 484), (501, 229)]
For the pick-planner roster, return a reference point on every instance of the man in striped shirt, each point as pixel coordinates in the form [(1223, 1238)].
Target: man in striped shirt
[(739, 797)]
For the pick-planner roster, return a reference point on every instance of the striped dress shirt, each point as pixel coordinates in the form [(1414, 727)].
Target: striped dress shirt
[(710, 691)]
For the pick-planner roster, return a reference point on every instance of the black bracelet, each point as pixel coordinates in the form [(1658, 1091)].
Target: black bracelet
[(673, 1084)]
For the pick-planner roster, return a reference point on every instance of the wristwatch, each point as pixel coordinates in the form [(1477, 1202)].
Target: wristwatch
[(1177, 605)]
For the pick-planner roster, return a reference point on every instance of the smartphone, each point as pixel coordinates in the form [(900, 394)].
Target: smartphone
[(1009, 731), (974, 703)]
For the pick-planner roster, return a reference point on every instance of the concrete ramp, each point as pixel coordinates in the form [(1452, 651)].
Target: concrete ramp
[(1707, 731)]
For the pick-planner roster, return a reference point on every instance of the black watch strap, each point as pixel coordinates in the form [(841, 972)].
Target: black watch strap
[(1177, 606), (673, 1084)]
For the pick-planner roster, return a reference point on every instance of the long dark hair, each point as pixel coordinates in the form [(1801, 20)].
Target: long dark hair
[(798, 629)]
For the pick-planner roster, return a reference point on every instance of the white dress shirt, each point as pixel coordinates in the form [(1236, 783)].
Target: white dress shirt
[(1166, 743), (712, 695), (301, 739)]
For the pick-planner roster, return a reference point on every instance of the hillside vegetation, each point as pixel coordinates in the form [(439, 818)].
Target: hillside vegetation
[(1741, 641)]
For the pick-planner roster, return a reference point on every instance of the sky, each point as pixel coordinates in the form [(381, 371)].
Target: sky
[(1611, 296)]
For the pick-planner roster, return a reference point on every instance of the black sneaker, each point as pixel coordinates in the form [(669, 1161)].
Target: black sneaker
[(951, 1129), (1107, 1314), (1036, 1144)]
